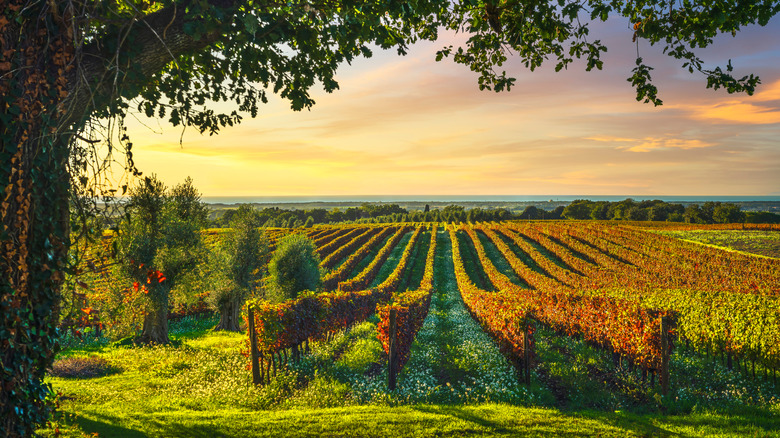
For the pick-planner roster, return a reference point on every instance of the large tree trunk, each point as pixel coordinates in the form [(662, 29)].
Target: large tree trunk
[(34, 190), (47, 91), (49, 86), (155, 329), (230, 315)]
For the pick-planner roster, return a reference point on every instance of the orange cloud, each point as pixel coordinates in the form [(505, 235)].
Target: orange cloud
[(738, 112), (651, 144), (768, 92), (648, 144)]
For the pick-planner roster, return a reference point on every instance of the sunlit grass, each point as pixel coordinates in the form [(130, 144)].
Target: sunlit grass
[(455, 383)]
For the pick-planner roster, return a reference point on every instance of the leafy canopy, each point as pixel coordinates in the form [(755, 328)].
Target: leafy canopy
[(257, 47)]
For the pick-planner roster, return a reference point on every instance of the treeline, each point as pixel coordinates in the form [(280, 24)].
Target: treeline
[(657, 210), (279, 217), (384, 213), (628, 209)]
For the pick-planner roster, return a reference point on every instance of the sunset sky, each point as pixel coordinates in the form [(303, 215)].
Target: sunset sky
[(412, 126)]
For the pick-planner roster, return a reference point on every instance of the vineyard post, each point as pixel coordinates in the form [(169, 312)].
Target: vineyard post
[(253, 347), (664, 355), (526, 354), (392, 353)]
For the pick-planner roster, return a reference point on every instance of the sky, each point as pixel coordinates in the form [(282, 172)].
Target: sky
[(412, 126)]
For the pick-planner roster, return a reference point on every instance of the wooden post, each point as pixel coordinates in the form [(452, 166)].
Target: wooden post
[(393, 354), (664, 356), (256, 379), (526, 355), (262, 368)]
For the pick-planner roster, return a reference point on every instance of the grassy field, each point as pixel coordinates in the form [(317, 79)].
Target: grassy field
[(456, 383), (199, 386), (765, 243)]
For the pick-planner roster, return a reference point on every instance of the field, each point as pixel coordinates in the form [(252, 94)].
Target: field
[(597, 314), (765, 243)]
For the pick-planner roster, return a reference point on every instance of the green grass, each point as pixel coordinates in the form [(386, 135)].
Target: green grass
[(456, 383), (369, 257), (201, 388)]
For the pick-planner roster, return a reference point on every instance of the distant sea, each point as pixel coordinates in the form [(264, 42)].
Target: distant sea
[(473, 198)]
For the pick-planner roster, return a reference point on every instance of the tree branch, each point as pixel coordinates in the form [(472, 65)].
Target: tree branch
[(152, 41)]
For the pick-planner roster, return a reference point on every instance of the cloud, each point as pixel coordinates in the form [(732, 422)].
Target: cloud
[(737, 112), (651, 144), (768, 93), (648, 144)]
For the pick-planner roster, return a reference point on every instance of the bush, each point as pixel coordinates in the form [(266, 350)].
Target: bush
[(295, 267)]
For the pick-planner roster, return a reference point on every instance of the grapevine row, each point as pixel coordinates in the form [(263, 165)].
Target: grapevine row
[(365, 277), (340, 274), (621, 326), (500, 314), (337, 255), (411, 308)]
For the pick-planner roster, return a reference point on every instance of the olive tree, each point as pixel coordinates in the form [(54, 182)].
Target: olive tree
[(240, 260), (160, 243)]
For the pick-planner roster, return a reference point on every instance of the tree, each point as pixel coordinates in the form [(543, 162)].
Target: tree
[(578, 209), (636, 213), (556, 213), (708, 210), (762, 217), (160, 243), (294, 268), (186, 204), (693, 215), (658, 212), (67, 66), (530, 212), (240, 260), (728, 214), (599, 210)]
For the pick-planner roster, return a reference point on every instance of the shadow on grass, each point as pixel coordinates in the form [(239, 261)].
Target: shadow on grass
[(464, 415), (105, 428), (746, 421), (432, 420)]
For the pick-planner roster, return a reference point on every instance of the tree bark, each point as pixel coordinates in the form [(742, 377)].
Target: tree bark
[(230, 315), (155, 329), (34, 187), (50, 85)]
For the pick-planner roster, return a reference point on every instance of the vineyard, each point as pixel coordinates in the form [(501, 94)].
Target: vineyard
[(630, 292), (562, 314)]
